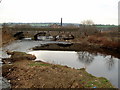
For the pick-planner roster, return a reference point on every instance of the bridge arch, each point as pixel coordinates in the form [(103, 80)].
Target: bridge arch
[(19, 35), (39, 34)]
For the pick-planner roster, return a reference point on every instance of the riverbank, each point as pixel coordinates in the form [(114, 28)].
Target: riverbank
[(91, 48), (106, 42), (6, 38), (24, 73)]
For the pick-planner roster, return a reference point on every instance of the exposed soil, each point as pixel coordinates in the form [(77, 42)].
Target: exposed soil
[(6, 38), (30, 74), (17, 56)]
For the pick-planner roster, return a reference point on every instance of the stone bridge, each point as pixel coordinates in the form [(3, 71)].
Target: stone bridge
[(31, 32)]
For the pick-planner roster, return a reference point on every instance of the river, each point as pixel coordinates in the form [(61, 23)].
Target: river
[(96, 64)]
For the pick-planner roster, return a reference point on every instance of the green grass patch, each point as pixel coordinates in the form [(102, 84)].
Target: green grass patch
[(98, 83), (38, 64)]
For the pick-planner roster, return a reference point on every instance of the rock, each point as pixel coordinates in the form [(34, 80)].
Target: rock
[(75, 85), (6, 60), (4, 84), (9, 53)]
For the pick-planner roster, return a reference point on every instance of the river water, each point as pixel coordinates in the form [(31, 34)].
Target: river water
[(96, 64)]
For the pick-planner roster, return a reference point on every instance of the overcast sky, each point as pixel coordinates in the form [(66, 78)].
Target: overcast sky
[(72, 11)]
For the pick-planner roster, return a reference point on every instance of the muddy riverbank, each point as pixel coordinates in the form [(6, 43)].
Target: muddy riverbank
[(30, 74), (5, 38), (80, 47)]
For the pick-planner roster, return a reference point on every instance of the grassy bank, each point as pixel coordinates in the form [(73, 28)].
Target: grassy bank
[(30, 74)]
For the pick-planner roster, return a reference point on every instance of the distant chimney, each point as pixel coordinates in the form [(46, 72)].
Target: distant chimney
[(61, 21)]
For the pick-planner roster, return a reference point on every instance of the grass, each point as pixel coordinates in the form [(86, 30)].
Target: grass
[(38, 64), (90, 81), (98, 83)]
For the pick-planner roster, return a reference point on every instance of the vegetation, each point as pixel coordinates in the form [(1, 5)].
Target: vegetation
[(5, 35), (88, 28), (38, 64)]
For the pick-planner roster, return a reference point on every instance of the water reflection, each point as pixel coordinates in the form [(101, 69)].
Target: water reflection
[(86, 58), (110, 62)]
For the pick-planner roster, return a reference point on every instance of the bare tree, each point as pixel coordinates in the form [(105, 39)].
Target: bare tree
[(87, 22), (88, 27)]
